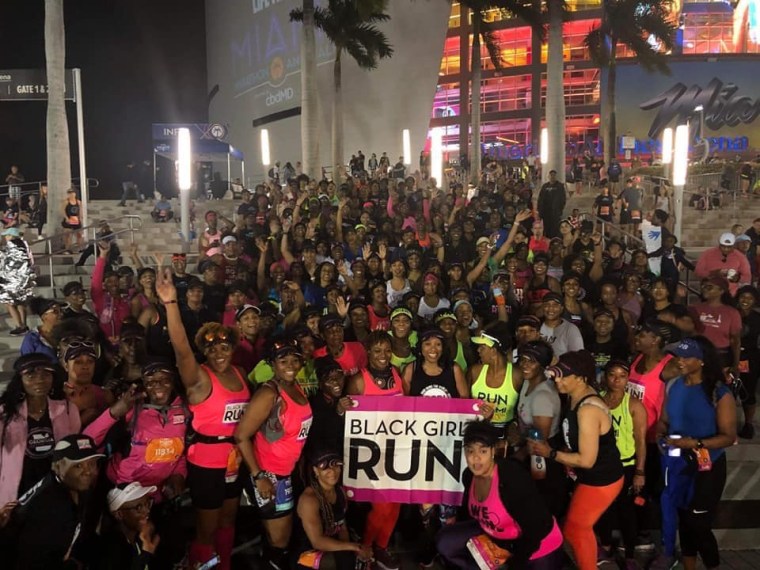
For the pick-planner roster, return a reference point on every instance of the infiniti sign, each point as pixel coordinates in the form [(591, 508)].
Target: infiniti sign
[(275, 97)]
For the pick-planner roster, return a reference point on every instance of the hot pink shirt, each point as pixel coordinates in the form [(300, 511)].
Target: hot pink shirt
[(278, 447), (353, 358), (496, 522), (650, 390)]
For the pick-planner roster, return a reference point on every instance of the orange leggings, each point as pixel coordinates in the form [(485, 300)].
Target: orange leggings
[(380, 524), (586, 507)]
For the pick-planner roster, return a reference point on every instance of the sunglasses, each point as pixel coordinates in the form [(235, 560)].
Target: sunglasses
[(331, 464), (280, 344), (79, 342), (216, 337)]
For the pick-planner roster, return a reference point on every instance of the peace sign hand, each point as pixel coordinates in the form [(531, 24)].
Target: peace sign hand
[(165, 286)]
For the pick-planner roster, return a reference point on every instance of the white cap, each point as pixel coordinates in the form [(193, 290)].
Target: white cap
[(228, 239), (727, 238), (118, 497)]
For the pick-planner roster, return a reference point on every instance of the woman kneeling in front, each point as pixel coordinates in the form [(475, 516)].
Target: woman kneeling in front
[(503, 508)]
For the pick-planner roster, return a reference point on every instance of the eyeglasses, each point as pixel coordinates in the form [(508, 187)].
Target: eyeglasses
[(143, 507)]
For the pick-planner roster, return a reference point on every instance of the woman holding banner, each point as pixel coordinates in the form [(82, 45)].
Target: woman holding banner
[(379, 379), (506, 515)]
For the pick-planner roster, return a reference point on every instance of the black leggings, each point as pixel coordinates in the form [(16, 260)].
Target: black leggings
[(695, 523), (622, 515)]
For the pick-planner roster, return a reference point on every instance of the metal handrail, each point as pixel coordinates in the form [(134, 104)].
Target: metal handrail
[(5, 188), (135, 224), (682, 282), (605, 224)]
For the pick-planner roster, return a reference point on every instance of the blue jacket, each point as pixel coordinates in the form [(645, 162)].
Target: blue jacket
[(33, 342)]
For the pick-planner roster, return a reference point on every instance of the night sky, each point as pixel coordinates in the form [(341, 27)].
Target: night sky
[(142, 61)]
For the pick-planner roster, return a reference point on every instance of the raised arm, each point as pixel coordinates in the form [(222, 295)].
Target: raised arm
[(193, 378), (504, 249)]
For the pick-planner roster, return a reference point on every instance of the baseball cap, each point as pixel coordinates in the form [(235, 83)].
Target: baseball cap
[(541, 352), (688, 348), (443, 314), (117, 498), (329, 321), (72, 287), (727, 238), (717, 280), (284, 347), (529, 321), (228, 239), (482, 240), (742, 237), (617, 363), (76, 448), (247, 307), (431, 333), (158, 364), (552, 297), (31, 361)]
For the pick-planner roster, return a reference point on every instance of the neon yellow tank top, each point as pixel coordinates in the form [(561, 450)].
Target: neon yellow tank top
[(622, 423), (400, 362), (459, 358), (503, 398)]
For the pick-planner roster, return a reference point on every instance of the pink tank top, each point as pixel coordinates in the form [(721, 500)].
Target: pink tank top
[(372, 389), (496, 522), (280, 440), (650, 389), (218, 416)]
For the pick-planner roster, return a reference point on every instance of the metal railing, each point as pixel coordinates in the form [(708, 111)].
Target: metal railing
[(29, 188), (640, 244), (52, 243)]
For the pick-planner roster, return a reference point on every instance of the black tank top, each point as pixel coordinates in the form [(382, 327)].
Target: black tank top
[(620, 328), (608, 468), (157, 339), (72, 210), (535, 293), (441, 386)]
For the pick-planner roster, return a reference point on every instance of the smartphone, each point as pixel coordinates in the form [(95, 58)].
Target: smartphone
[(209, 564)]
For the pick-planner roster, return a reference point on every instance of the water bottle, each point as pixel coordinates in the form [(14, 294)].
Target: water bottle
[(537, 463)]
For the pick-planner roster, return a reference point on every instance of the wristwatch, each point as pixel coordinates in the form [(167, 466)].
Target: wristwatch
[(260, 475), (700, 444), (553, 455)]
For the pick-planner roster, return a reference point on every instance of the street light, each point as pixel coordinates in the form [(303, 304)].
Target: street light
[(667, 151), (436, 155), (407, 146), (680, 167), (184, 180), (265, 158)]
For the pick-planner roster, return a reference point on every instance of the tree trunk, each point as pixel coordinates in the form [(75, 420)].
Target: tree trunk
[(610, 134), (476, 65), (555, 97), (58, 154), (309, 113), (337, 120)]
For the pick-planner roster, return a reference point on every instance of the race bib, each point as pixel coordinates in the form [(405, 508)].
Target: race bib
[(604, 210), (303, 433), (233, 465), (233, 411), (635, 390), (163, 450), (744, 367)]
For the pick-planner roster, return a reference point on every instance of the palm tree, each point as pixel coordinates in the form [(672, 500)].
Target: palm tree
[(646, 28), (555, 94), (482, 29), (349, 25), (309, 103), (58, 154)]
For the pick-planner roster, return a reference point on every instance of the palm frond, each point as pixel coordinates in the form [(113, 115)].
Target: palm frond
[(596, 43), (492, 45)]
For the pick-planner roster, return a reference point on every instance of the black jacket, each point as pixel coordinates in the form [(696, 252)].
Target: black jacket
[(524, 504)]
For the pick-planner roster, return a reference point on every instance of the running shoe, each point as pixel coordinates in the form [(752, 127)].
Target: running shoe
[(663, 562), (385, 560), (19, 331)]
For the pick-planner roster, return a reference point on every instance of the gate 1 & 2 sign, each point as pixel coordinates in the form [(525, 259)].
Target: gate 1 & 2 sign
[(406, 450)]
